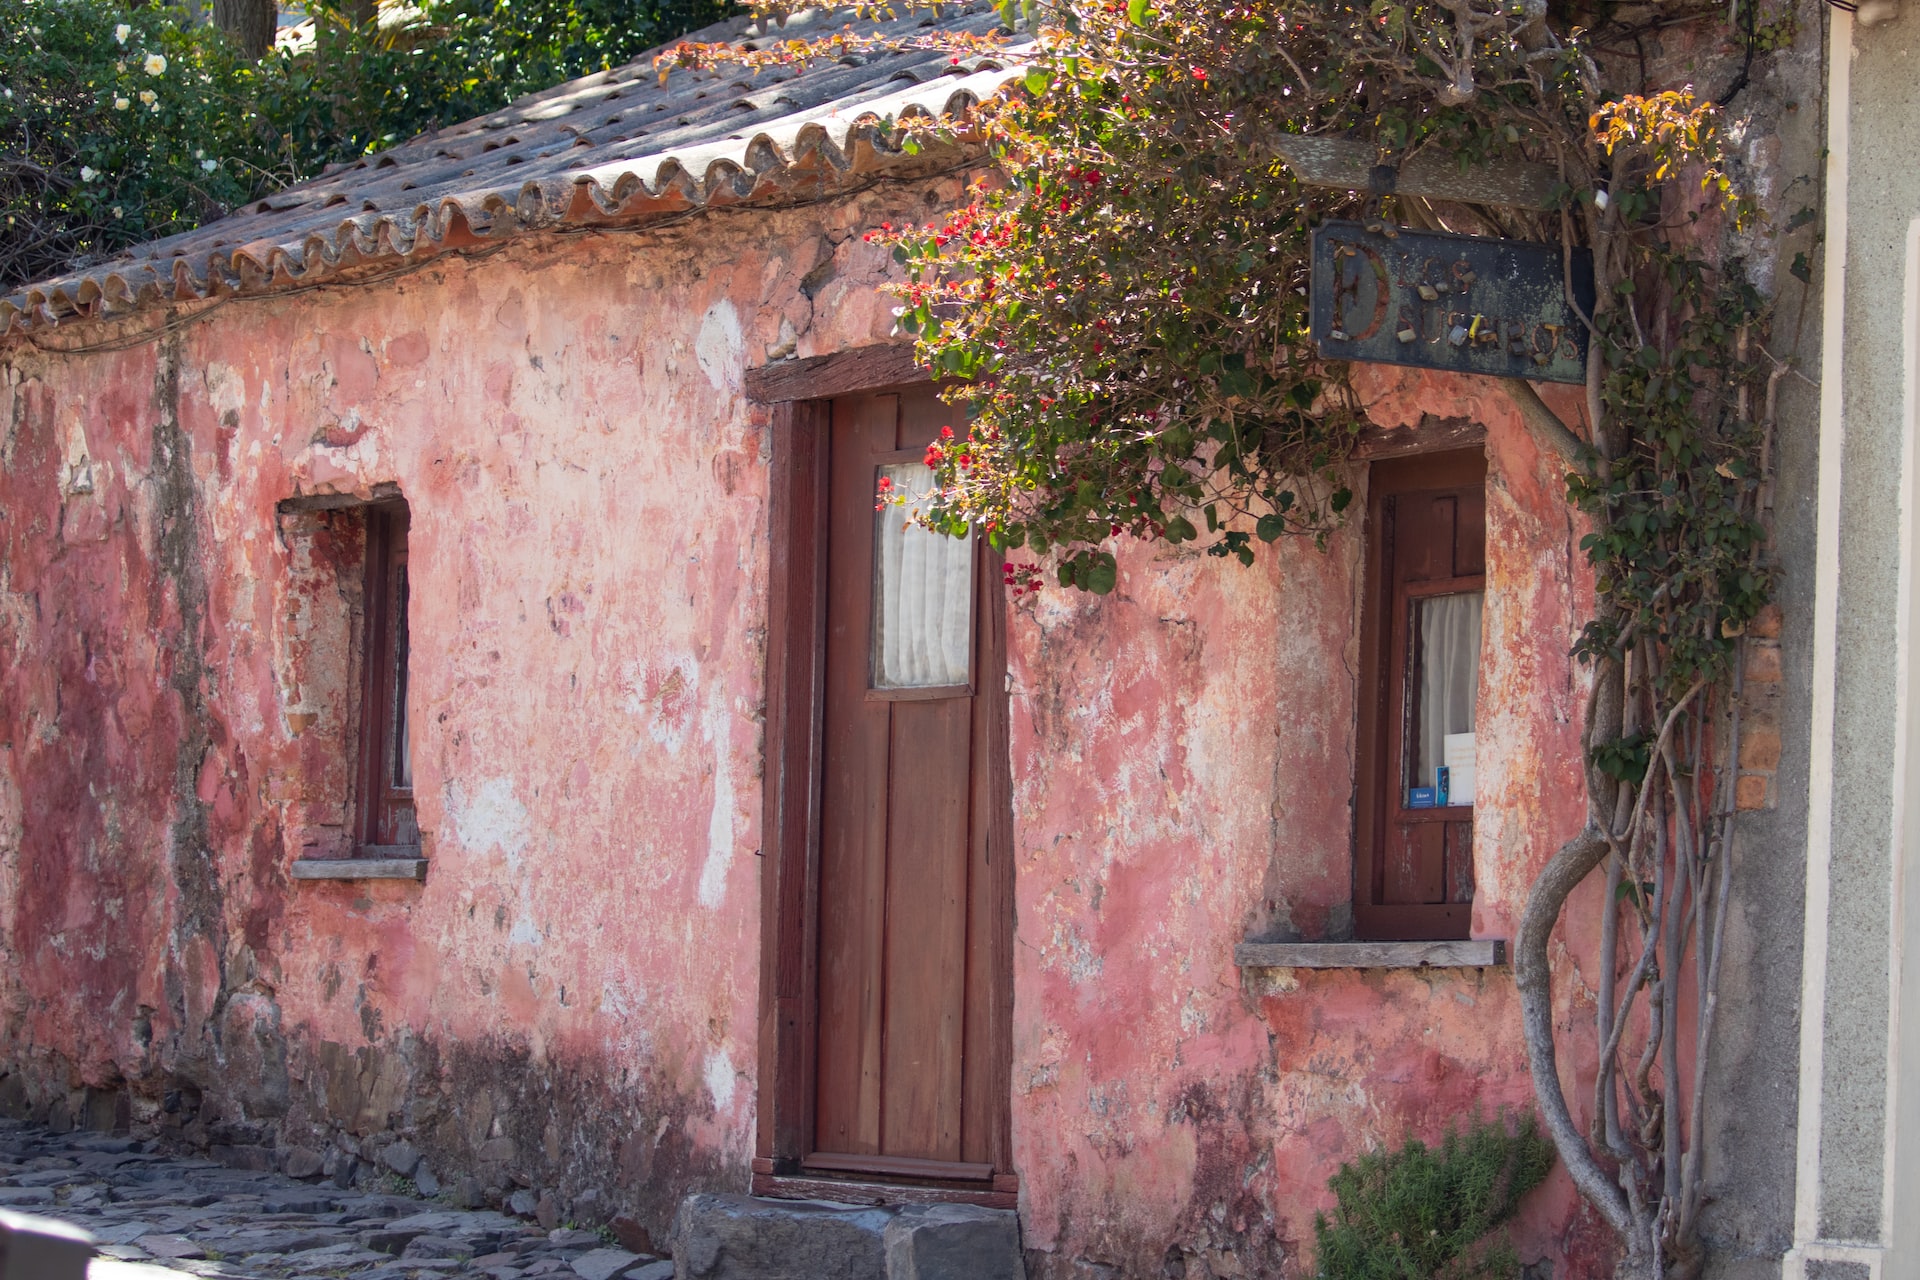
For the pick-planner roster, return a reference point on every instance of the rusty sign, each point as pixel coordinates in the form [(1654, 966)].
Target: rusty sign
[(1439, 301)]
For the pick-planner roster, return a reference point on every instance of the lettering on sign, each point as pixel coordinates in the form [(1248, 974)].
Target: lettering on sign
[(1440, 301)]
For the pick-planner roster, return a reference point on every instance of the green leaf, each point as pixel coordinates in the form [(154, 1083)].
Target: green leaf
[(1037, 81), (1137, 12), (1270, 528), (1102, 575)]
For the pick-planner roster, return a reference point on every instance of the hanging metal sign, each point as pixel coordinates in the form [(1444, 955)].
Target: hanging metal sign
[(1437, 301)]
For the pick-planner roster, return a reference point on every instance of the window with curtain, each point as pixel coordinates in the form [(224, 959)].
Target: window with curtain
[(1426, 544), (923, 593), (1447, 675)]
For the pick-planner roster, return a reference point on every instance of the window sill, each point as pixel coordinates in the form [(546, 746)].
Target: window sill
[(1474, 953), (360, 869)]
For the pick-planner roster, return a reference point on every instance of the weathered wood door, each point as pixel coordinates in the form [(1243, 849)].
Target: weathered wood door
[(913, 928)]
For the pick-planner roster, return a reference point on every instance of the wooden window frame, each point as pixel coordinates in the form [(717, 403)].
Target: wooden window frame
[(1384, 719), (801, 432), (384, 822)]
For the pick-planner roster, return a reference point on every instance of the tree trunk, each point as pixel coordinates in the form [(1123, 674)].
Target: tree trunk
[(250, 24)]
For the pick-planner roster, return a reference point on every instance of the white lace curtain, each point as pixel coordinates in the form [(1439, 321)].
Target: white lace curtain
[(1449, 649), (923, 595)]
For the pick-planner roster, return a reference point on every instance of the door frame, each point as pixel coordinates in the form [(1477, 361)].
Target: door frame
[(800, 431)]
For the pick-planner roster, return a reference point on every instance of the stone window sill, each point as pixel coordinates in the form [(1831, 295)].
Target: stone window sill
[(360, 869), (1472, 953)]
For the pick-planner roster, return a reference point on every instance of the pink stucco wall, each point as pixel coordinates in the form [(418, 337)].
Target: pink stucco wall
[(570, 997), (572, 992), (1183, 765)]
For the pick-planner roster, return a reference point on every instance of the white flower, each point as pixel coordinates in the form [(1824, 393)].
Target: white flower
[(120, 104), (116, 211), (88, 174), (154, 107), (121, 32), (148, 98), (155, 65), (208, 166), (199, 153)]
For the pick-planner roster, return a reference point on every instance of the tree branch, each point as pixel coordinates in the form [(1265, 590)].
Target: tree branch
[(1544, 423), (1532, 973)]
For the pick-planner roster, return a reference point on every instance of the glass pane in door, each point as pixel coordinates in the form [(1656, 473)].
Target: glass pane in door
[(922, 593)]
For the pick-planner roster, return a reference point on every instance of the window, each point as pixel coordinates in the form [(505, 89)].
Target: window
[(385, 825), (1420, 680), (922, 594)]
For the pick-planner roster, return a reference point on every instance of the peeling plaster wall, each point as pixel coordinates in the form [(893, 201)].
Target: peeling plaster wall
[(568, 1001), (1184, 770)]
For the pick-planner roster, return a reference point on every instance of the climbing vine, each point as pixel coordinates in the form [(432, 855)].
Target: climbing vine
[(1121, 305)]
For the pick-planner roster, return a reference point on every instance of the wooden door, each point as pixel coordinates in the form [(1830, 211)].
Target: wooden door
[(912, 930)]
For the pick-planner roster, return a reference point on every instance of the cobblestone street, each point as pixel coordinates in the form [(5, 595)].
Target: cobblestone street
[(168, 1215)]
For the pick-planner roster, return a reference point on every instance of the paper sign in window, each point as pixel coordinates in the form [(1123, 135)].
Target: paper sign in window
[(923, 593), (1447, 683)]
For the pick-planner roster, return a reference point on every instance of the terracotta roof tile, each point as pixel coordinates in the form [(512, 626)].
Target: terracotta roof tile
[(613, 148)]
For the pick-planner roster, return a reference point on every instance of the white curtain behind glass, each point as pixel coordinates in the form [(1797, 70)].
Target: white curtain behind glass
[(923, 594), (1449, 637)]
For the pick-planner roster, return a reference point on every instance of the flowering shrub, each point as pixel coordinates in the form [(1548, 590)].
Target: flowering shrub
[(120, 124), (1127, 301), (116, 125)]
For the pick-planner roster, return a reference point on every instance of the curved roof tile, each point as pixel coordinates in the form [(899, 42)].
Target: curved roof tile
[(616, 148)]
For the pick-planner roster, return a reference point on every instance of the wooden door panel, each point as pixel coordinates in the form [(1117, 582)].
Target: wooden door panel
[(988, 1038), (926, 928), (857, 743)]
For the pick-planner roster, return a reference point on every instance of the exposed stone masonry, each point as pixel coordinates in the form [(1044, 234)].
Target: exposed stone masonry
[(194, 1216)]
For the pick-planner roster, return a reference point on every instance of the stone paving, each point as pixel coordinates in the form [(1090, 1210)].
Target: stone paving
[(178, 1216)]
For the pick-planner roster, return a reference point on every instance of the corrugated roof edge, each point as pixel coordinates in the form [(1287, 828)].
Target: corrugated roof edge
[(792, 160)]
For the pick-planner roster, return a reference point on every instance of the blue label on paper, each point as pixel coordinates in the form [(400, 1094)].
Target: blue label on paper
[(1420, 798)]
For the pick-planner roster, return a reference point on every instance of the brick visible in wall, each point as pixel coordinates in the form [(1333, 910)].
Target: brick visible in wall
[(1760, 713)]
